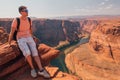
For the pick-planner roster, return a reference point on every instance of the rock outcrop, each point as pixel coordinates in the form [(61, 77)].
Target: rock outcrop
[(12, 59), (3, 36), (100, 58)]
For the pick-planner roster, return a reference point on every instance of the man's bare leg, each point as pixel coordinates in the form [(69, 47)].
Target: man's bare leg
[(42, 71), (38, 62), (29, 60), (33, 71)]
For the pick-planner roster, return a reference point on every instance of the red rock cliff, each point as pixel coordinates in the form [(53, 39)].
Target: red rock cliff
[(100, 58), (105, 40)]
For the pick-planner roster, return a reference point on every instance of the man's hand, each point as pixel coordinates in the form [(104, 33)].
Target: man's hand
[(9, 44)]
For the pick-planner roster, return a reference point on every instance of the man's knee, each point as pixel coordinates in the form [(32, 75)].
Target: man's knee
[(35, 54), (27, 54)]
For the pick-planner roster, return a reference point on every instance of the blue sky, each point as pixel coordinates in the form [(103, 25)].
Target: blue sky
[(56, 8)]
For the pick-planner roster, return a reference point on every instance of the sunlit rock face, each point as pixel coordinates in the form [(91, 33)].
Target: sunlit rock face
[(89, 25), (100, 58), (105, 40)]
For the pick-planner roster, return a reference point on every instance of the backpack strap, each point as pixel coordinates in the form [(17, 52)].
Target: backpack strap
[(29, 22), (18, 23), (17, 26)]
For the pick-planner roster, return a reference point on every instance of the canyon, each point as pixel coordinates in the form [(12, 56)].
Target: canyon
[(96, 59)]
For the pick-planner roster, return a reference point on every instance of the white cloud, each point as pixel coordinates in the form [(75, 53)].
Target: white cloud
[(107, 9), (102, 3), (87, 10), (109, 6), (104, 7), (106, 0), (82, 9)]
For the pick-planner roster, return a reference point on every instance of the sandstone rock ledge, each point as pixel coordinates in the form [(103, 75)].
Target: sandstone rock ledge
[(53, 71), (14, 67)]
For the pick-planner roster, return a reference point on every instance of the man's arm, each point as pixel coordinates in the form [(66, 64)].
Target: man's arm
[(11, 35), (13, 28)]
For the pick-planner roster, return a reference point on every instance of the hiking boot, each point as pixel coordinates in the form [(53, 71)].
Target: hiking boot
[(44, 73), (33, 73)]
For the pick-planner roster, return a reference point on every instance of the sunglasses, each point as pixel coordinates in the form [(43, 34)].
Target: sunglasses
[(25, 10)]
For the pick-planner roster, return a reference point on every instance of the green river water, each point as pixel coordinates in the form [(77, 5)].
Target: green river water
[(60, 60)]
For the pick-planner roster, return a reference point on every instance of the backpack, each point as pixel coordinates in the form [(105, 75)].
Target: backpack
[(18, 25)]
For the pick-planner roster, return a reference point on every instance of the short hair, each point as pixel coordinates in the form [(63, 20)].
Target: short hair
[(21, 8)]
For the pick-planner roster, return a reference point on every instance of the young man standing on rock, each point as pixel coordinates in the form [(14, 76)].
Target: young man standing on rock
[(26, 43)]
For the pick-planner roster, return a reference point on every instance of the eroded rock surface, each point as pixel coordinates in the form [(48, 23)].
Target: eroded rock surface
[(3, 36), (100, 58)]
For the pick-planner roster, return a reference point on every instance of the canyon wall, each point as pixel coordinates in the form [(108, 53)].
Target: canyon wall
[(105, 40), (88, 25), (100, 58)]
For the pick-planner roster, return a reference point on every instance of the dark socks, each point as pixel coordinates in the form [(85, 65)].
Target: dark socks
[(41, 70)]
